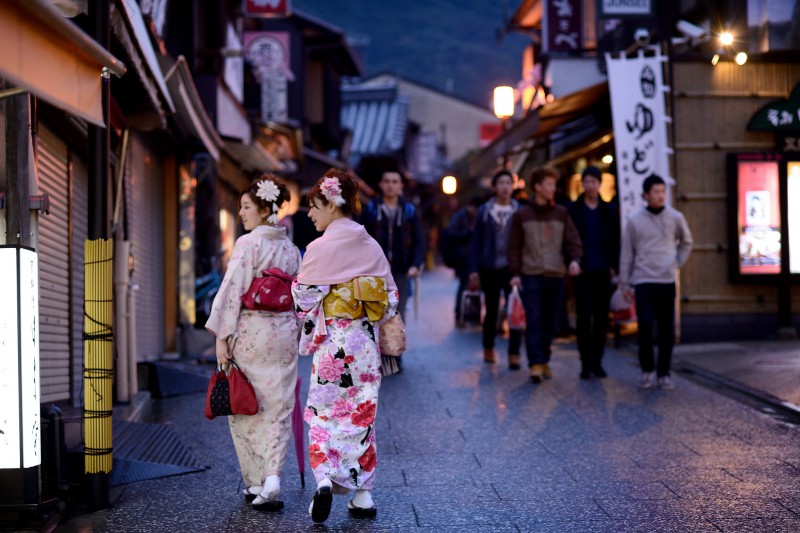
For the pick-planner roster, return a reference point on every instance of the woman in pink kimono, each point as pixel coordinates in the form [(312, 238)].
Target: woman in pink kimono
[(344, 291), (263, 343)]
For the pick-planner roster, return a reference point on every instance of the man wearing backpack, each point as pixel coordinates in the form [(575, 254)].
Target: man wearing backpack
[(488, 262), (395, 223)]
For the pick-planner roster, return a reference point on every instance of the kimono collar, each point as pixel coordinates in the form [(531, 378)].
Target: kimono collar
[(269, 232)]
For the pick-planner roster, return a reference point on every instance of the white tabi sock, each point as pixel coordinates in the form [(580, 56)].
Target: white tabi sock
[(363, 499)]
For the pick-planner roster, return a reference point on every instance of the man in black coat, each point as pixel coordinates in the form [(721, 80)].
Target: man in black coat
[(599, 227)]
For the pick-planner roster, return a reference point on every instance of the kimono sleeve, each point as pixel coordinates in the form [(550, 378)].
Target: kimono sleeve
[(224, 314), (308, 306)]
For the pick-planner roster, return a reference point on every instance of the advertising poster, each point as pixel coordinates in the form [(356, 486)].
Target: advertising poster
[(759, 223)]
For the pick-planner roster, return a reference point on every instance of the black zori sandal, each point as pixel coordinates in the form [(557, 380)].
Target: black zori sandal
[(321, 504), (249, 496), (360, 512), (269, 507)]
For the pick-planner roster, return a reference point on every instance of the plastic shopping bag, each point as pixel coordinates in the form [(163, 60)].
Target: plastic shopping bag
[(621, 308), (515, 310), (471, 303)]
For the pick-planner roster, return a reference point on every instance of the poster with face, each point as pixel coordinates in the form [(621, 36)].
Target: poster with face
[(759, 221)]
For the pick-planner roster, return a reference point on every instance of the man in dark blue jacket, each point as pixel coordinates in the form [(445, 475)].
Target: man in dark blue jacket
[(489, 262), (598, 224), (396, 225)]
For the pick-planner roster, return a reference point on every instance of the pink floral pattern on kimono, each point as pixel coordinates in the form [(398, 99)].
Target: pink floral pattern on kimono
[(264, 345), (343, 390)]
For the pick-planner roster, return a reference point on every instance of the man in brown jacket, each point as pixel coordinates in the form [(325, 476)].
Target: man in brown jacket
[(542, 241)]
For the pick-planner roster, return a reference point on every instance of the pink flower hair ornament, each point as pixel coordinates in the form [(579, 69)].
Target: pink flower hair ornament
[(331, 189)]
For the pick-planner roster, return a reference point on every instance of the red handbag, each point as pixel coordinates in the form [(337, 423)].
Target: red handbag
[(230, 394), (270, 292)]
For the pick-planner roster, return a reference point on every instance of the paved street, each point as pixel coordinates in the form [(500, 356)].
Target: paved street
[(466, 446)]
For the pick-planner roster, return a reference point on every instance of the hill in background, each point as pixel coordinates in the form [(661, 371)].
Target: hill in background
[(446, 44)]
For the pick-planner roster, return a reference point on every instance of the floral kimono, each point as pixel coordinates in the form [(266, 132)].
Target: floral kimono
[(340, 329), (264, 344)]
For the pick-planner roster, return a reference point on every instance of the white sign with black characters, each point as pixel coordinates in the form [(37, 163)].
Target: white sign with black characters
[(20, 441), (640, 125)]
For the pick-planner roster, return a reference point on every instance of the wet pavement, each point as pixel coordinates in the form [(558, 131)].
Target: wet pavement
[(469, 446)]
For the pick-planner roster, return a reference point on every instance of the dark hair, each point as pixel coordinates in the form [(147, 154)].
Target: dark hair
[(283, 192), (593, 172), (350, 192), (540, 173), (649, 181), (500, 173)]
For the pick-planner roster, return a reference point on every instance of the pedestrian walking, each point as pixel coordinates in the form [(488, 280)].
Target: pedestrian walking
[(344, 291), (456, 244), (597, 222), (543, 240), (396, 224), (263, 343), (656, 242), (488, 262)]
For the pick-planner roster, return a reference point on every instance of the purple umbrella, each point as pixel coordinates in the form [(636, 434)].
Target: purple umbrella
[(297, 429)]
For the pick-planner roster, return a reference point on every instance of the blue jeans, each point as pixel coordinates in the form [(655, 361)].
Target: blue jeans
[(541, 297)]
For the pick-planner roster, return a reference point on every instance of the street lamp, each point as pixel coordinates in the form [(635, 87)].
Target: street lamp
[(504, 109), (449, 185)]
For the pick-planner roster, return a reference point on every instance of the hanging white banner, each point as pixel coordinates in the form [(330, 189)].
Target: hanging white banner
[(637, 92)]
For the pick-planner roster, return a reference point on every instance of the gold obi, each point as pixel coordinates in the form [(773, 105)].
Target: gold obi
[(362, 296)]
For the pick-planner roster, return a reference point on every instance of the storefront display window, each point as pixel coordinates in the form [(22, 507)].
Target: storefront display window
[(793, 195)]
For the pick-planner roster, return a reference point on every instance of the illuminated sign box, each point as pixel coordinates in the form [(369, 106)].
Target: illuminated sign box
[(764, 229), (20, 428)]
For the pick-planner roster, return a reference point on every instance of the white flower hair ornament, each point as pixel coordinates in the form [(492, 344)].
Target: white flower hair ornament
[(332, 191), (269, 192)]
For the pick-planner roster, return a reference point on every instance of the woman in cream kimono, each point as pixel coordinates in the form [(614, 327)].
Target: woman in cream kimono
[(343, 292), (263, 343)]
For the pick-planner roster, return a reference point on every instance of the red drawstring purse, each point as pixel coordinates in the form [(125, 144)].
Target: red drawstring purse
[(270, 292), (230, 394)]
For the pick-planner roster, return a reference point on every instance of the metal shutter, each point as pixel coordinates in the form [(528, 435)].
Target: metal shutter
[(145, 203), (54, 302), (80, 230)]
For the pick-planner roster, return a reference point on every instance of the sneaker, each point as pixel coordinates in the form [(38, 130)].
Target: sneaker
[(646, 381), (600, 372), (665, 383), (514, 361), (489, 356), (536, 373), (585, 374), (546, 372)]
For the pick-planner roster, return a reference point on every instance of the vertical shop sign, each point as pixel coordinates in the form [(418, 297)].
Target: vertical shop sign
[(640, 125), (564, 26), (20, 445), (269, 56)]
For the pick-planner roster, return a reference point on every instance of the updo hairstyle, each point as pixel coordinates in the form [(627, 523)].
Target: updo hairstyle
[(349, 187), (283, 192)]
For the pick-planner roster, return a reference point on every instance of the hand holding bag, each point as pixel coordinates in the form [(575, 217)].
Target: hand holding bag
[(516, 311), (270, 292), (392, 337), (230, 394)]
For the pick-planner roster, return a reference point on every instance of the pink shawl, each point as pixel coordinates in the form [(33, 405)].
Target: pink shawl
[(344, 252)]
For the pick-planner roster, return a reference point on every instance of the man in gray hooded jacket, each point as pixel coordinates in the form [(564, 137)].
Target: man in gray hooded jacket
[(656, 243)]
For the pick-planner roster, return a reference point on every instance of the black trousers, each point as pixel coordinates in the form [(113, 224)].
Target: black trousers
[(655, 305), (492, 283), (592, 296)]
